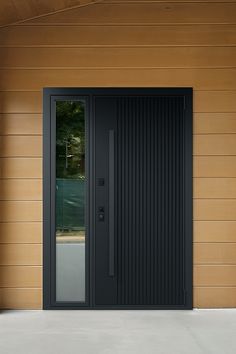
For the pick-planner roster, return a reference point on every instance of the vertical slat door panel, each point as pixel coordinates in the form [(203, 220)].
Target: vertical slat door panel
[(150, 201)]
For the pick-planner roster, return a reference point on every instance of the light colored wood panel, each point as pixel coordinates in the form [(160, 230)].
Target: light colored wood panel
[(21, 189), (20, 102), (209, 123), (14, 103), (21, 254), (14, 211), (214, 275), (7, 13), (19, 124), (214, 188), (214, 231), (119, 57), (21, 167), (215, 253), (215, 209), (200, 79), (20, 277), (217, 144), (19, 299), (20, 10), (27, 9), (214, 101), (214, 166), (214, 297), (208, 35), (163, 1), (21, 146), (153, 13), (21, 232)]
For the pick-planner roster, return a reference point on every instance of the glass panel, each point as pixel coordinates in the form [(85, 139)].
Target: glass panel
[(70, 200)]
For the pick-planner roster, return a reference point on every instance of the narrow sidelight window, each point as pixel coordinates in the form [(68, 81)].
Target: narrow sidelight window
[(70, 201)]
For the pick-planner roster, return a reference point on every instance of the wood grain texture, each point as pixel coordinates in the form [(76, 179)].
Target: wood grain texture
[(21, 232), (21, 124), (21, 298), (215, 253), (21, 276), (21, 254), (21, 189), (214, 102), (212, 123), (153, 13), (215, 297), (158, 1), (217, 144), (200, 79), (122, 43), (20, 211), (214, 275), (19, 10), (21, 146), (214, 209), (19, 102), (214, 166), (214, 188), (138, 35), (214, 231), (21, 167), (173, 57)]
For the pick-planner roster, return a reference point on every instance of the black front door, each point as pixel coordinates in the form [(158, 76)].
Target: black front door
[(138, 224)]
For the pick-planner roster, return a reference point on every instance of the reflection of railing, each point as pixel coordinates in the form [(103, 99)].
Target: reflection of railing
[(70, 204)]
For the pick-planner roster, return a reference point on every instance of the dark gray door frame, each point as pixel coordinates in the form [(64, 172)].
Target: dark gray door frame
[(50, 95)]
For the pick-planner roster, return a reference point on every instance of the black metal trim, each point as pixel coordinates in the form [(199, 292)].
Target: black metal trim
[(188, 175), (48, 269), (49, 297), (46, 201), (111, 210)]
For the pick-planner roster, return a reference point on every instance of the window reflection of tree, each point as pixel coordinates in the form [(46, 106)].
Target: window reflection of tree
[(70, 166), (70, 139)]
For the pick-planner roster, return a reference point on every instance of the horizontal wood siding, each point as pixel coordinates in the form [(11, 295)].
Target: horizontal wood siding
[(21, 167), (121, 43), (100, 57), (17, 11), (21, 276), (21, 298), (21, 232), (21, 189), (151, 13), (21, 254), (200, 79), (140, 35)]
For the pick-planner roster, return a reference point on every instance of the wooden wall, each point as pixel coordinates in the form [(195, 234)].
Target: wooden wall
[(15, 11), (121, 43)]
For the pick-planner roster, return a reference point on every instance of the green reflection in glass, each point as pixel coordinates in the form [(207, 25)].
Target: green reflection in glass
[(70, 140), (70, 200)]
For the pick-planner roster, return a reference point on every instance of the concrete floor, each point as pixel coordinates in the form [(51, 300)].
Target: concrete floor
[(118, 332)]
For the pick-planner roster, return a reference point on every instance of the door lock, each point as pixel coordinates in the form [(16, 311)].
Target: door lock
[(101, 217), (101, 214)]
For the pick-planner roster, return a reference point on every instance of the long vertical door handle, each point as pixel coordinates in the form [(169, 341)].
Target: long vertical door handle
[(111, 203)]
